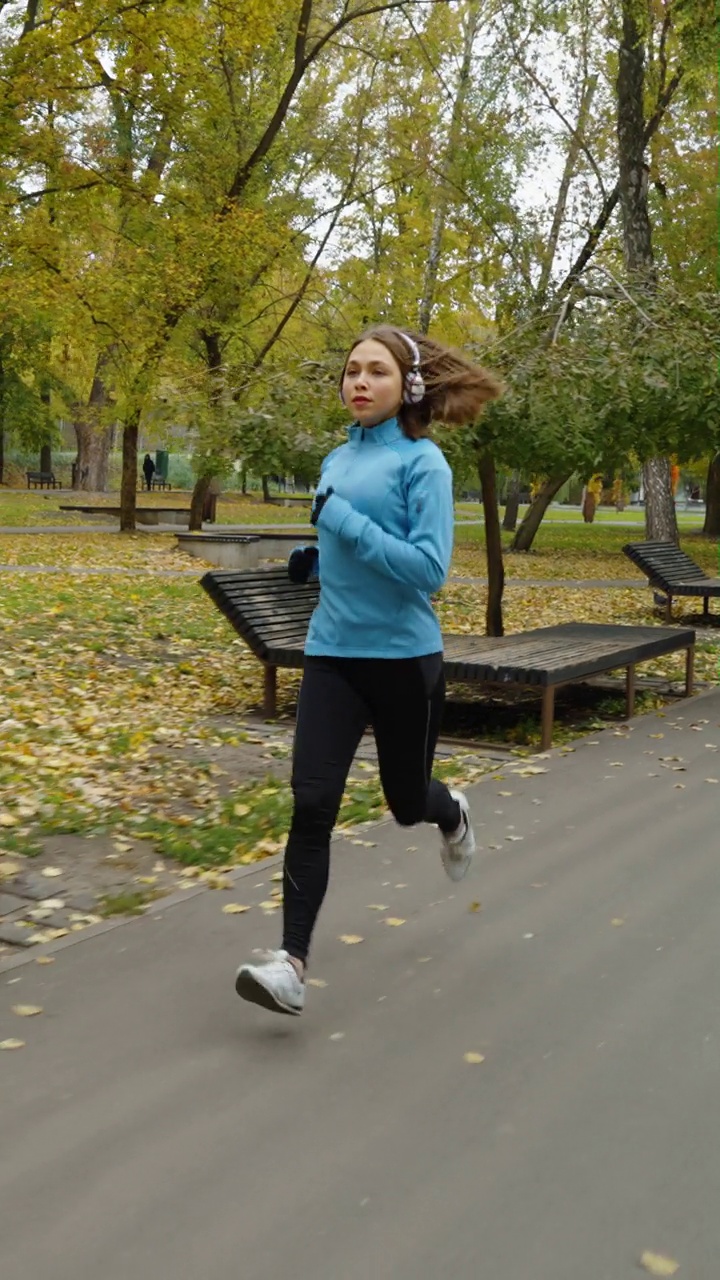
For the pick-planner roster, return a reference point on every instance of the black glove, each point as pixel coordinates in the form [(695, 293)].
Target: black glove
[(319, 503), (302, 564)]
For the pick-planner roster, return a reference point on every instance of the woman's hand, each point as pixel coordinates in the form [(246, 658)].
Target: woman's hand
[(319, 503)]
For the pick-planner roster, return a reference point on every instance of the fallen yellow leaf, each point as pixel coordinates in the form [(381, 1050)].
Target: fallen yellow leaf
[(45, 960), (26, 1010), (316, 982), (7, 820), (234, 909), (51, 872), (476, 906), (617, 922), (474, 1058), (395, 920), (12, 1044), (350, 939), (658, 1265), (241, 810), (377, 906)]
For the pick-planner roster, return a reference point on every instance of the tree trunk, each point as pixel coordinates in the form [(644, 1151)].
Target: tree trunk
[(442, 190), (512, 506), (197, 502), (128, 491), (493, 544), (571, 160), (46, 457), (660, 515), (243, 482), (711, 528), (588, 507), (266, 489), (2, 454), (532, 519), (94, 438)]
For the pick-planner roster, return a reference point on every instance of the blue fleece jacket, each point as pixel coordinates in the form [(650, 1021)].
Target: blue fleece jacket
[(385, 538)]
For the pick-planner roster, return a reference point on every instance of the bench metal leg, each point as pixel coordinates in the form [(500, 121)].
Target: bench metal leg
[(706, 606), (690, 671), (668, 609), (548, 717), (630, 691), (270, 692)]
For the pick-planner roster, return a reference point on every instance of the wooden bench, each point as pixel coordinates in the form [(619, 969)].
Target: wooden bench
[(669, 568), (272, 616), (42, 480)]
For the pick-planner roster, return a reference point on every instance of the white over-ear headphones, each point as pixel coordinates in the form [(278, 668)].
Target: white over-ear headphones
[(414, 383), (414, 388)]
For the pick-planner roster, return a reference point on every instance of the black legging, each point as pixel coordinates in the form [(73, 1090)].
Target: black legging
[(402, 698)]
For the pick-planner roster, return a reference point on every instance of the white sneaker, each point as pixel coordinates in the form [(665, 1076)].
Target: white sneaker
[(458, 848), (273, 983)]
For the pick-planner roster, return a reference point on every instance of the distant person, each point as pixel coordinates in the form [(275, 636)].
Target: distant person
[(148, 470), (373, 655)]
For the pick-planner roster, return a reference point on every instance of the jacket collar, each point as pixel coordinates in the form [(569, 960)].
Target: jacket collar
[(384, 433)]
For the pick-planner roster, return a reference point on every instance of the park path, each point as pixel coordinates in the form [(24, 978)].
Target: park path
[(154, 1127)]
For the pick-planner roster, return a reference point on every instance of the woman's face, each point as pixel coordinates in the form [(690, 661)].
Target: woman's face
[(372, 384)]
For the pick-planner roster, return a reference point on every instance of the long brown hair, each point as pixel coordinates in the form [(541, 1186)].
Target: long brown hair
[(455, 389)]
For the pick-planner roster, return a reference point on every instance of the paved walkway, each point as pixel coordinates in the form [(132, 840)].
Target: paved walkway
[(154, 1127)]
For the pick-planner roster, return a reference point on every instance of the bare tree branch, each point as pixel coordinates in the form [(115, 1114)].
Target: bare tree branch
[(575, 133), (52, 191), (303, 59), (611, 200)]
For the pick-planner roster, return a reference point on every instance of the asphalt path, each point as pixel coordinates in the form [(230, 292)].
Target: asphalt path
[(155, 1128)]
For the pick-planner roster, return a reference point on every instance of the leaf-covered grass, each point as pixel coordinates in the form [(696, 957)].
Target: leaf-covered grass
[(116, 691), (140, 551), (573, 551), (21, 508)]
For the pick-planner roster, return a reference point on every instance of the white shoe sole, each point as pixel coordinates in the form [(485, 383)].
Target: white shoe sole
[(249, 987), (457, 868)]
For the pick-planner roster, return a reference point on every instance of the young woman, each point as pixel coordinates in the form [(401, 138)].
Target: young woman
[(384, 515)]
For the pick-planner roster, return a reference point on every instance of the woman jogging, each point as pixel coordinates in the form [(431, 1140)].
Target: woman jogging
[(373, 655)]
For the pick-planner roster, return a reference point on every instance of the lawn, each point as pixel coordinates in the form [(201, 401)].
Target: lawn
[(119, 691), (21, 508)]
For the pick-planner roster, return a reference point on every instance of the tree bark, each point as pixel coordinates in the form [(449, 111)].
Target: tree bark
[(266, 489), (532, 519), (660, 515), (94, 438), (588, 506), (442, 194), (493, 544), (711, 528), (213, 356), (128, 492), (197, 503), (512, 506), (571, 160), (2, 454), (46, 457)]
